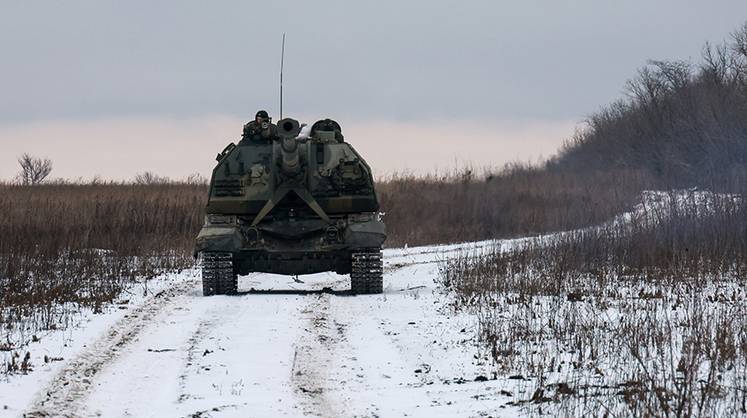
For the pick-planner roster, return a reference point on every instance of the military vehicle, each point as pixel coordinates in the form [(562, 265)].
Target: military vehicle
[(292, 204)]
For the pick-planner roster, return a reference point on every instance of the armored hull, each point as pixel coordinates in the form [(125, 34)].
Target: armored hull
[(292, 204)]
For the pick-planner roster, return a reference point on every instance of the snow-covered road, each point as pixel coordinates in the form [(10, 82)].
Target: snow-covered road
[(284, 348)]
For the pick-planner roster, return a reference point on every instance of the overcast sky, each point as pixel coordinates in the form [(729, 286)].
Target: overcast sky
[(114, 88)]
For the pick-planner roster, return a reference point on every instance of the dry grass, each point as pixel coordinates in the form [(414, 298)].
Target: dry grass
[(643, 315), (519, 200), (80, 245)]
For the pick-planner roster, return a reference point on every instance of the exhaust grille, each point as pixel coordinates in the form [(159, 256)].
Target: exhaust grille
[(226, 188)]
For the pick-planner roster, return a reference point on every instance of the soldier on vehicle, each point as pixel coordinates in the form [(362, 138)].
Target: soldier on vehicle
[(261, 129)]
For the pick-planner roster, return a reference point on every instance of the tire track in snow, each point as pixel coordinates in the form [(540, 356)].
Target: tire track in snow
[(66, 393), (318, 351), (314, 353), (192, 356)]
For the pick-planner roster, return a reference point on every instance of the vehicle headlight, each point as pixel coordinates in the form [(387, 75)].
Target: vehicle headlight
[(220, 219), (362, 217)]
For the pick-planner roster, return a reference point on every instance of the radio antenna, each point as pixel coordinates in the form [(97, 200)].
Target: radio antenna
[(282, 59)]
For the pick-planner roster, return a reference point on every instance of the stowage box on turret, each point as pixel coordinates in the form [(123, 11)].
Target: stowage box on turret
[(291, 204)]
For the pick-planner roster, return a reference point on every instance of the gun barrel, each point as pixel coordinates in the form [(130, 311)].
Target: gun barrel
[(291, 158), (290, 161)]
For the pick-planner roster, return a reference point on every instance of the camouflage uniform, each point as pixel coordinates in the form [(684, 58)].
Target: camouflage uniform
[(253, 131)]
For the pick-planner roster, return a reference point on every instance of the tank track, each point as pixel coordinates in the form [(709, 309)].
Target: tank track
[(366, 276), (218, 274)]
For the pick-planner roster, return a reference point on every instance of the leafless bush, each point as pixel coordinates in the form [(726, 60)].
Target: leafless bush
[(150, 178), (33, 170)]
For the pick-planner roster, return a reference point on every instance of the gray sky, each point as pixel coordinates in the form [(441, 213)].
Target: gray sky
[(416, 85)]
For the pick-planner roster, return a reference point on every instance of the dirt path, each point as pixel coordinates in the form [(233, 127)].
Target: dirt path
[(283, 350), (69, 388), (312, 358)]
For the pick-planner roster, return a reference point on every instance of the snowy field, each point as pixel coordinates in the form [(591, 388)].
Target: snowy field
[(280, 348), (501, 345)]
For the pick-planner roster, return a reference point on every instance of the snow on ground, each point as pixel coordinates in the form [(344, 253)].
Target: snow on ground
[(55, 350), (280, 348)]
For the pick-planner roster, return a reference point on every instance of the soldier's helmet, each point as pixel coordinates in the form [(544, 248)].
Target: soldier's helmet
[(262, 114)]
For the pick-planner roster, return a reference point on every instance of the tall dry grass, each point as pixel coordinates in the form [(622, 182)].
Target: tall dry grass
[(518, 200), (83, 243)]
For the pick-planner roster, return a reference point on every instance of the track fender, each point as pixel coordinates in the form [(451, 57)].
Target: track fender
[(370, 234), (221, 238)]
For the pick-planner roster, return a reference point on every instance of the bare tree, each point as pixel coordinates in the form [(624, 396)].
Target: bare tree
[(716, 63), (676, 75), (197, 179), (33, 170), (150, 178), (739, 40), (739, 55)]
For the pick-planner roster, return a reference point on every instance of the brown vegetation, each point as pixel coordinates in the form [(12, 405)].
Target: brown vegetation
[(642, 315), (518, 200), (63, 243)]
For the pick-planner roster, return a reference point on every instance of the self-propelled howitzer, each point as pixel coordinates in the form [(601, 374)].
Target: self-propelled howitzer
[(292, 204)]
